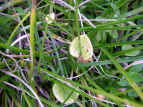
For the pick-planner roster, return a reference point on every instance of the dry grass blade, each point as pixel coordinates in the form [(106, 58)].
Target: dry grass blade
[(18, 88), (11, 57), (16, 77)]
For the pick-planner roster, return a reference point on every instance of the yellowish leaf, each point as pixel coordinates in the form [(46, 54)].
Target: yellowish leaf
[(83, 53)]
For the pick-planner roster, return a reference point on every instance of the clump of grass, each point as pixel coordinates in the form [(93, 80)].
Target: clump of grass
[(35, 55), (6, 24)]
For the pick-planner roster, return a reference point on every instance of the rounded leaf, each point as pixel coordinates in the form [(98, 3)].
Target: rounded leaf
[(136, 68), (133, 94), (136, 77), (62, 93), (126, 47), (124, 82), (101, 35), (113, 33), (86, 48)]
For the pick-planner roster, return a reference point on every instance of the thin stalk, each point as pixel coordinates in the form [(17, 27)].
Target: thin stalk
[(32, 50), (11, 3), (57, 54), (77, 25), (16, 28)]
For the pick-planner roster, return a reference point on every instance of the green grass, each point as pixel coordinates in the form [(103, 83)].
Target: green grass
[(34, 55)]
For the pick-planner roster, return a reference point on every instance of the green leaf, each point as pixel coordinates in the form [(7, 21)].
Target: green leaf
[(136, 68), (124, 82), (113, 33), (136, 77), (101, 35), (133, 94), (126, 47), (19, 9), (117, 12), (62, 93)]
